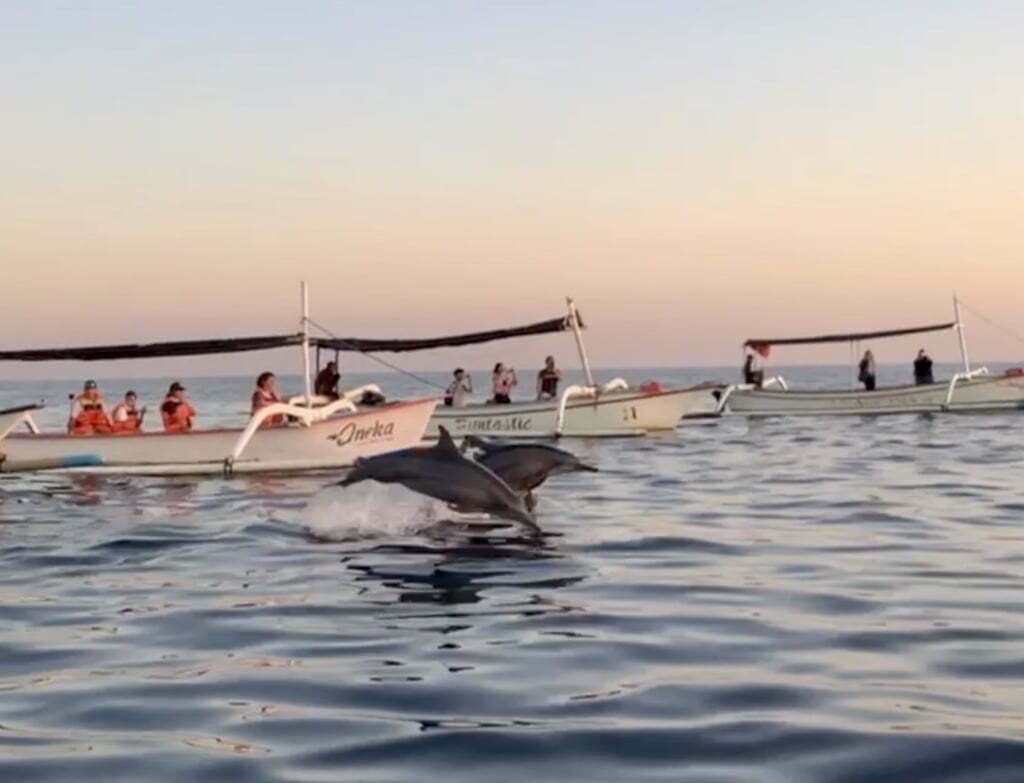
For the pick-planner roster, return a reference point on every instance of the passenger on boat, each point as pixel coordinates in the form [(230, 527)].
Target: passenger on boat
[(502, 381), (923, 369), (266, 394), (326, 383), (87, 414), (866, 374), (176, 411), (126, 417), (753, 372), (461, 385), (547, 380)]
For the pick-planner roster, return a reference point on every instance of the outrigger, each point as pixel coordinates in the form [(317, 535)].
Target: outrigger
[(968, 390)]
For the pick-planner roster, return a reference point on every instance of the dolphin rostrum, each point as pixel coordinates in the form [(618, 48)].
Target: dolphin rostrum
[(441, 472), (525, 466)]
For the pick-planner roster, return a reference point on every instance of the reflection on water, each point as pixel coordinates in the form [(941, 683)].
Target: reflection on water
[(774, 600)]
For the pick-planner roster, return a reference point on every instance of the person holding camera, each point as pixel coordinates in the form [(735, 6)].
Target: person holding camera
[(502, 381)]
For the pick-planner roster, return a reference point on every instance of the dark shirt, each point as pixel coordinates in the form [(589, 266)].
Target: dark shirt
[(326, 383), (923, 370), (548, 382)]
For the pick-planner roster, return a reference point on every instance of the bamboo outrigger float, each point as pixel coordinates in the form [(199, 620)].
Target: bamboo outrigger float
[(971, 390)]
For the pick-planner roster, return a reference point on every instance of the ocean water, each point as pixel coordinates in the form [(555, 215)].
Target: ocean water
[(779, 600)]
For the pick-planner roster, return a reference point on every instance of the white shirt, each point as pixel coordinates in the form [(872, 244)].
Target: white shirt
[(458, 389)]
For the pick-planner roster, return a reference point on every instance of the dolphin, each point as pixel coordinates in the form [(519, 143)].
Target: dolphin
[(441, 472), (525, 466)]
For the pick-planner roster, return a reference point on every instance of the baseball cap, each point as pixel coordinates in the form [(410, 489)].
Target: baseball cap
[(176, 386)]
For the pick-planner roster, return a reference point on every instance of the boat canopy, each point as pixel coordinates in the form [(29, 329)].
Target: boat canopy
[(238, 344), (425, 343), (849, 337)]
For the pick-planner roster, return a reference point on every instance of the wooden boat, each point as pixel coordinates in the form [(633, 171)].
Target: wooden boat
[(974, 390), (323, 436), (326, 437), (612, 409)]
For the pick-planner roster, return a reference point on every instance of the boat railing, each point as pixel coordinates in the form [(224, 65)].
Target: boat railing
[(723, 400), (962, 376), (305, 415)]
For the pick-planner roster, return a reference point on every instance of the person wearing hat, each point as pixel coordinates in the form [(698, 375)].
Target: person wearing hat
[(87, 414), (176, 411)]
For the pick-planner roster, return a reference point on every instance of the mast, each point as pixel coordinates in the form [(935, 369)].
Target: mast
[(304, 332), (960, 334), (575, 321)]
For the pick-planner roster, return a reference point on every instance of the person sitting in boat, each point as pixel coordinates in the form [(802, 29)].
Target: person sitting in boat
[(923, 369), (265, 394), (176, 411), (547, 380), (753, 372), (326, 384), (126, 418), (502, 380), (866, 371), (88, 416), (461, 385)]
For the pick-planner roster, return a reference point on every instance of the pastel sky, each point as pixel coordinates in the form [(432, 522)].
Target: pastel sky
[(693, 173)]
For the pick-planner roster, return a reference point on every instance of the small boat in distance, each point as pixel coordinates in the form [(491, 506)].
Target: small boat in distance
[(969, 390), (317, 437)]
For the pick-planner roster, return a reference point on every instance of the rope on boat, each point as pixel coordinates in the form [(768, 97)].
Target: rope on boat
[(377, 359), (1004, 329)]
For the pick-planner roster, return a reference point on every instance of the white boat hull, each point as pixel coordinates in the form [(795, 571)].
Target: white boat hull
[(983, 393), (611, 414), (334, 442)]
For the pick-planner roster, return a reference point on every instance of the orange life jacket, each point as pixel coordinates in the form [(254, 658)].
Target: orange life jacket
[(131, 424), (91, 418), (176, 414)]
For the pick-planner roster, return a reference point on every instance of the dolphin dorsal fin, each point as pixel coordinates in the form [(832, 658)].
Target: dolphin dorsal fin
[(445, 444)]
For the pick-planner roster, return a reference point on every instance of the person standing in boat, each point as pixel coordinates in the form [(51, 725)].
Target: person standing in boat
[(461, 385), (923, 369), (866, 374), (326, 384), (547, 380), (126, 418), (753, 371), (265, 394), (502, 381), (176, 411), (88, 416)]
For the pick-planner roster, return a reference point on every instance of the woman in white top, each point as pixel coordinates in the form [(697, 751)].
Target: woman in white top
[(502, 381)]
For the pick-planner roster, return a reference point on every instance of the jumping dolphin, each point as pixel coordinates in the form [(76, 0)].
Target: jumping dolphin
[(441, 472), (525, 466)]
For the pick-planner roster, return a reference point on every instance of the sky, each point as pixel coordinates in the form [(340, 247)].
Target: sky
[(692, 173)]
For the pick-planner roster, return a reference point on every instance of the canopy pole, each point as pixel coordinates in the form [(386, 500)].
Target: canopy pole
[(304, 331), (853, 364), (575, 321), (960, 334)]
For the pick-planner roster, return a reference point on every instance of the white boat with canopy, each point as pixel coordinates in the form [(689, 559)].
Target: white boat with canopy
[(968, 390), (612, 409), (318, 436)]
